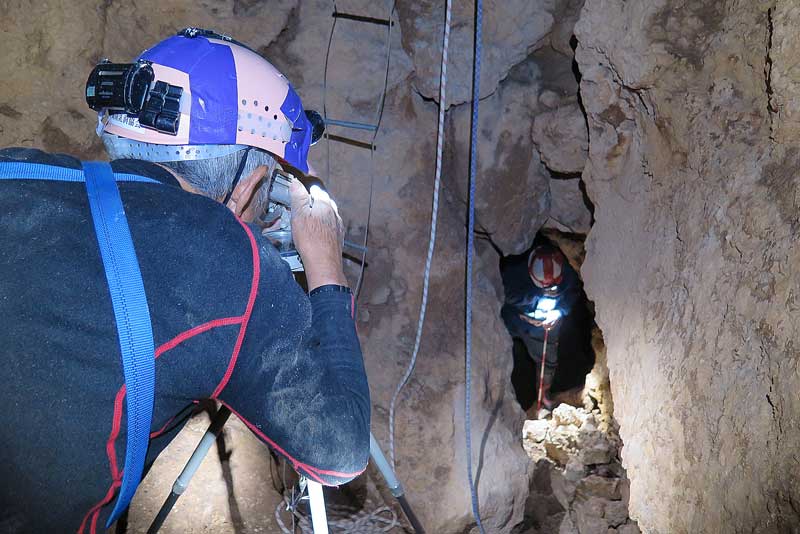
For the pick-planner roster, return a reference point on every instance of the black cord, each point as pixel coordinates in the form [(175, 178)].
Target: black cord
[(238, 175)]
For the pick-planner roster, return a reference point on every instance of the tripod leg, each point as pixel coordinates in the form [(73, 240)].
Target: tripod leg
[(394, 485), (317, 502), (190, 469)]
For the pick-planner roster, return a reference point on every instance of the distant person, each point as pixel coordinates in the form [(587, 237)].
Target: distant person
[(205, 122), (541, 292)]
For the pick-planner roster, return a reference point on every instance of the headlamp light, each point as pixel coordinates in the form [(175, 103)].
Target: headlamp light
[(545, 310), (546, 304), (552, 316)]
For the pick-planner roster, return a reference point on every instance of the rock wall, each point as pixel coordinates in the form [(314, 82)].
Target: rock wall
[(691, 264), (49, 50)]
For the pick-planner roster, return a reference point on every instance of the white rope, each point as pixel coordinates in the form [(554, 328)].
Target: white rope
[(432, 242)]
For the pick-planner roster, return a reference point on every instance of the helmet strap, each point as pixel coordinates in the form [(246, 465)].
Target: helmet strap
[(238, 175)]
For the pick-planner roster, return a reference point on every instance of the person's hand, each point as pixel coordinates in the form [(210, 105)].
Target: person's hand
[(549, 325), (318, 235), (531, 320)]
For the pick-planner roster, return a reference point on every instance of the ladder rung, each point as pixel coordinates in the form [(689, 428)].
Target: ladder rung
[(350, 124), (352, 142), (362, 18)]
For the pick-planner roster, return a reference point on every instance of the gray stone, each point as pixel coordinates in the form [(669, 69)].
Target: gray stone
[(591, 515), (568, 526), (629, 528), (562, 139), (597, 450), (566, 415), (380, 296), (512, 202), (549, 99), (616, 513), (563, 488), (535, 429), (568, 210), (512, 29), (575, 470), (566, 15), (597, 486)]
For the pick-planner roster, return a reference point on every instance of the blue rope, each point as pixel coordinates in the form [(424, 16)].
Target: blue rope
[(476, 79)]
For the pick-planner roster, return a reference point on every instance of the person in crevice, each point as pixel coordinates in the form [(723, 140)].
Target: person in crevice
[(541, 291), (229, 321)]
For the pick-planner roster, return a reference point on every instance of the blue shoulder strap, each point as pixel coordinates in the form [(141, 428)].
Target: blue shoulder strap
[(128, 299), (133, 320)]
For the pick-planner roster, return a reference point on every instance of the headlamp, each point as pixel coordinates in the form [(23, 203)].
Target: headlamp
[(552, 316), (545, 310), (130, 88), (546, 304), (120, 87)]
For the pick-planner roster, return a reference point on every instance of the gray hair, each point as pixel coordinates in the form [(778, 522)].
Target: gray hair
[(209, 176), (213, 177)]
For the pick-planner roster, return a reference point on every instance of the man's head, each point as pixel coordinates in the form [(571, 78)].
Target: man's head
[(208, 108), (238, 179), (546, 268)]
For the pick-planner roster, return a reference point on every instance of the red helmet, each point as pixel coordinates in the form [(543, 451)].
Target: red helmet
[(546, 266)]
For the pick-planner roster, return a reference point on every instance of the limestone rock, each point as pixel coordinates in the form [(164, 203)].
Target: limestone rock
[(535, 430), (561, 443), (692, 171), (380, 296), (512, 200), (629, 528), (561, 137), (566, 415), (563, 488), (575, 469), (512, 29), (567, 526), (565, 15), (606, 488), (595, 448), (615, 513), (549, 99), (588, 514), (569, 212)]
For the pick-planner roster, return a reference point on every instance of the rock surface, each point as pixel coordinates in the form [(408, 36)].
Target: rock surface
[(561, 137), (585, 476), (513, 200), (512, 30), (691, 263)]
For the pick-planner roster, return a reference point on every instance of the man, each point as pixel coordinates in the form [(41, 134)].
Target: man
[(229, 321), (541, 291)]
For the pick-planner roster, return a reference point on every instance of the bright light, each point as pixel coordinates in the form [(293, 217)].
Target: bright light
[(545, 310), (552, 316), (546, 304), (317, 193)]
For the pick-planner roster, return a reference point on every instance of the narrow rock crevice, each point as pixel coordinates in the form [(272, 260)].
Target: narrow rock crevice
[(771, 108)]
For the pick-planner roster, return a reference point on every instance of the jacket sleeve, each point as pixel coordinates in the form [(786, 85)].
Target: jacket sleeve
[(299, 382)]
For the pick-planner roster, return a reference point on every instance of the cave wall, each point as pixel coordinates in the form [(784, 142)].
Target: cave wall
[(692, 120), (49, 49)]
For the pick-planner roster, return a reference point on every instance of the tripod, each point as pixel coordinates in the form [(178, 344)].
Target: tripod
[(316, 498)]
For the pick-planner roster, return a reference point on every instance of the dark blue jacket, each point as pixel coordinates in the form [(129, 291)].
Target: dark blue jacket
[(229, 320)]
